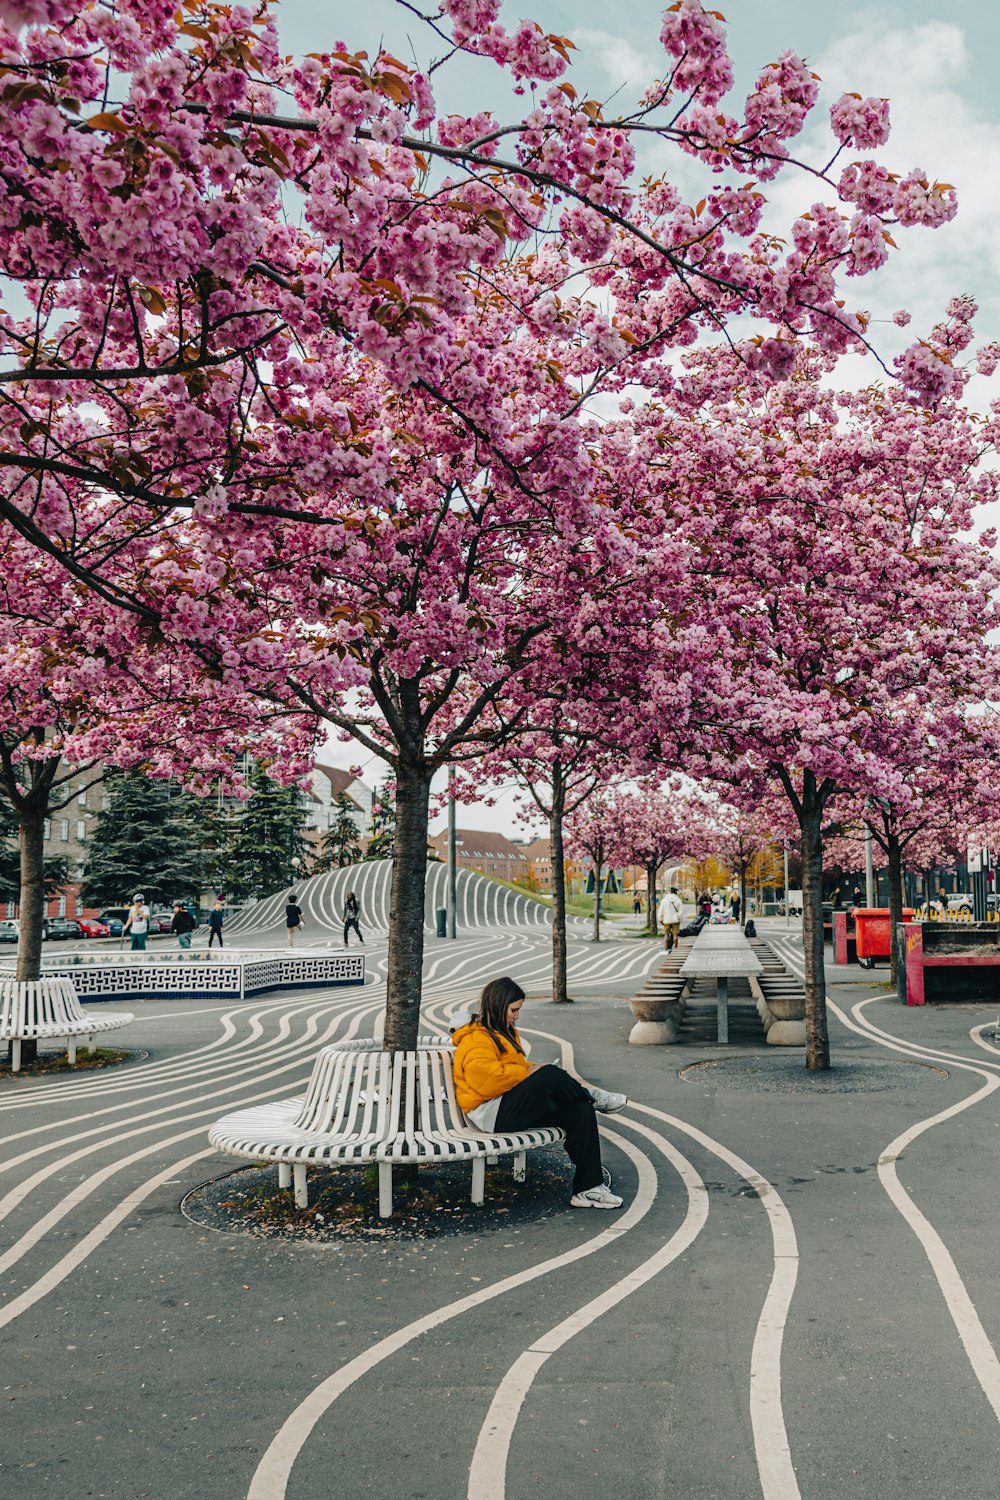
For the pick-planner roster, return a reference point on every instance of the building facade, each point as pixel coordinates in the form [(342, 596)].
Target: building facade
[(326, 784), (485, 853)]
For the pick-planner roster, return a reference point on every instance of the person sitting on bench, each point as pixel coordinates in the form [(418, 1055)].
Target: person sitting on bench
[(499, 1091)]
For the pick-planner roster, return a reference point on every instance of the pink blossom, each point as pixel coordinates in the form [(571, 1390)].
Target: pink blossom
[(901, 318), (863, 123), (918, 201), (925, 372), (987, 358), (696, 40)]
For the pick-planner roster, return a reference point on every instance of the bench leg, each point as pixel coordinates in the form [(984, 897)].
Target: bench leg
[(385, 1189), (722, 1006), (71, 1049), (301, 1186), (88, 1044), (478, 1179), (284, 1174), (15, 1055), (520, 1165)]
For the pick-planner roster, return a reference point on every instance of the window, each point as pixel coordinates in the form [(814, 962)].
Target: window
[(47, 830), (62, 907), (82, 798), (81, 828), (63, 834)]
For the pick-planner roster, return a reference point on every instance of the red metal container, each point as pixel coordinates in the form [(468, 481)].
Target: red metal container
[(873, 937)]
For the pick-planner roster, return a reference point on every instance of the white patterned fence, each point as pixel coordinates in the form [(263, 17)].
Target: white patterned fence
[(194, 977)]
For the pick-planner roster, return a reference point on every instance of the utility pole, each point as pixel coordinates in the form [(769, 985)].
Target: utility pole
[(788, 904), (452, 865), (869, 870)]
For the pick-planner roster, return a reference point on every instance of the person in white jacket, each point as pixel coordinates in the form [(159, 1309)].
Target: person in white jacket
[(669, 912)]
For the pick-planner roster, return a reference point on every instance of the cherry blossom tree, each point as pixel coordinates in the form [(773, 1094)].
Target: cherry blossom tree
[(305, 382), (946, 794), (742, 835), (558, 770), (80, 692), (643, 825), (836, 565)]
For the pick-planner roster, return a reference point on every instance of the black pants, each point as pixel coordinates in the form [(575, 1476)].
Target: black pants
[(216, 932), (350, 922), (550, 1096)]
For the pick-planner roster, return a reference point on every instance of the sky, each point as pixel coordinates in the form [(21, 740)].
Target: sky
[(935, 61)]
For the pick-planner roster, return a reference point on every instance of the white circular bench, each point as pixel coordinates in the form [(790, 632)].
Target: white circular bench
[(367, 1105), (42, 1009)]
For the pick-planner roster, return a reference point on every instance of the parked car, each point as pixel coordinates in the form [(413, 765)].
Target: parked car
[(93, 927), (961, 901), (160, 921), (64, 927), (115, 919), (10, 930)]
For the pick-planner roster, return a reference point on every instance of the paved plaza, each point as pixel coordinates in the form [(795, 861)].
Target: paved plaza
[(799, 1298)]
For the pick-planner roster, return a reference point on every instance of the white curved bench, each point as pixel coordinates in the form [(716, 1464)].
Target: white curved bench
[(40, 1009), (364, 1105)]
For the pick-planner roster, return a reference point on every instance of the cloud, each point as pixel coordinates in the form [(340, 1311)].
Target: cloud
[(924, 72), (624, 66)]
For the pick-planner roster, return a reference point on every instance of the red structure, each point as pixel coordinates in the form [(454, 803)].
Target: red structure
[(919, 959)]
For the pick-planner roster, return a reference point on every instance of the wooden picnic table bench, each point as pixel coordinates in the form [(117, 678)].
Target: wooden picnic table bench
[(721, 953)]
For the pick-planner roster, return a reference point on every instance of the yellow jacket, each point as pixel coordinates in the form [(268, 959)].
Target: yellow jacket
[(481, 1071)]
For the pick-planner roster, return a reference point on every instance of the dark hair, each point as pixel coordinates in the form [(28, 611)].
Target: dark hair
[(291, 896), (492, 1013)]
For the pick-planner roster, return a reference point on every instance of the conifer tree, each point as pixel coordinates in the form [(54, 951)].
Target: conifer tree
[(382, 841), (268, 847), (340, 845), (148, 838)]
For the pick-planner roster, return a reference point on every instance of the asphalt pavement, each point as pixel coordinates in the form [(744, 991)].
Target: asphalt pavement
[(797, 1299)]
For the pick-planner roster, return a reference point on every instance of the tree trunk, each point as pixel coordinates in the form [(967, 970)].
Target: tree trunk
[(559, 990), (598, 853), (32, 901), (896, 899), (743, 895), (652, 870), (406, 913), (31, 838), (817, 1035)]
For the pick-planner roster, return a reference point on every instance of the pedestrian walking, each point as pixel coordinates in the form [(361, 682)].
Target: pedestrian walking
[(735, 906), (636, 905), (352, 912), (215, 920), (705, 905), (183, 924), (500, 1090), (137, 923), (293, 917), (670, 911)]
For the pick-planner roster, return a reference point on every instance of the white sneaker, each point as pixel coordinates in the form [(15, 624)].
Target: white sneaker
[(596, 1197), (608, 1104)]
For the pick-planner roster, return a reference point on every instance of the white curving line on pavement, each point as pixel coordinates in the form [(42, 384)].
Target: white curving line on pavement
[(260, 1059), (89, 1184), (981, 1354), (774, 1459), (488, 1471), (57, 1273), (180, 1066), (270, 1480)]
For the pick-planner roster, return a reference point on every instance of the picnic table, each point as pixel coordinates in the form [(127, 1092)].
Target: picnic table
[(721, 953)]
